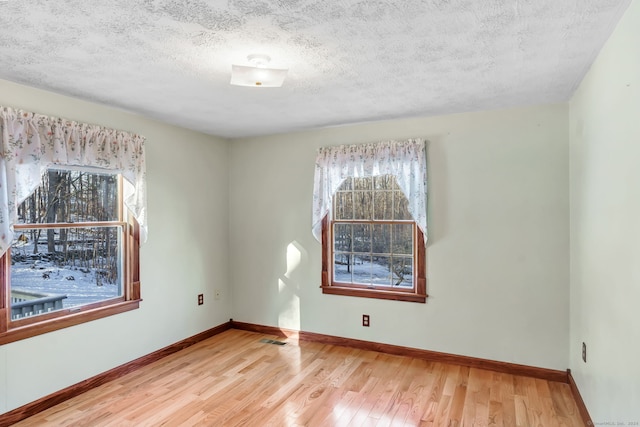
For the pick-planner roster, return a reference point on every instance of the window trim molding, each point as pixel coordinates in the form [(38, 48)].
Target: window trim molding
[(419, 295)]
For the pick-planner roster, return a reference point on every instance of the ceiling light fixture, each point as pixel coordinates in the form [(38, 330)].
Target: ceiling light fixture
[(257, 75)]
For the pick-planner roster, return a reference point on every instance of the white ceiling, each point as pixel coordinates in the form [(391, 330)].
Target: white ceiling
[(349, 61)]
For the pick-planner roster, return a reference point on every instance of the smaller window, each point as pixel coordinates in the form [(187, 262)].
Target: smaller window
[(371, 245)]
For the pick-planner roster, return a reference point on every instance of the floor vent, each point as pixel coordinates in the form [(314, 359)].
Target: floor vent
[(268, 341)]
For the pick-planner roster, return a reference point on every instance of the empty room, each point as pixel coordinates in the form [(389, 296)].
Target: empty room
[(304, 212)]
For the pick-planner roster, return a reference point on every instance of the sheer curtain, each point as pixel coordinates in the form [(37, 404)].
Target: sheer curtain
[(406, 160), (31, 143)]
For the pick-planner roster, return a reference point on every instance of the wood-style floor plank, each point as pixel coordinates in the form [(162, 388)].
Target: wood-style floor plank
[(233, 379)]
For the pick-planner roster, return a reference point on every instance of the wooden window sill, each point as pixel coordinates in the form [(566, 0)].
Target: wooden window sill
[(374, 293), (31, 330)]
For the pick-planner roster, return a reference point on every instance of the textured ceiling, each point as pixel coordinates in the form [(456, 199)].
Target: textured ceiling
[(349, 61)]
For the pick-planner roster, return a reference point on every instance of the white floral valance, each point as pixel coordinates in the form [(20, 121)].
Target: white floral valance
[(32, 143), (406, 160)]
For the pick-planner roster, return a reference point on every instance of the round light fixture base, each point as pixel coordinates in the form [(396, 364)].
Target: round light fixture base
[(259, 60)]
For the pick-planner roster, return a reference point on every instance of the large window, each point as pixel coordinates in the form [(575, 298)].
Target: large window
[(371, 244), (74, 255)]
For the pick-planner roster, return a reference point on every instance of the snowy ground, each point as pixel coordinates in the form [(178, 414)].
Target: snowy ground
[(80, 290), (370, 273), (79, 285)]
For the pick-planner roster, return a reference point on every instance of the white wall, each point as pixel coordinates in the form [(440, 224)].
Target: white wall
[(605, 228), (186, 254), (498, 237)]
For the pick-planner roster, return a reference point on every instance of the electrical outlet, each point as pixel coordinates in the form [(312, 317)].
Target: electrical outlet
[(200, 299), (217, 294), (584, 352), (365, 320)]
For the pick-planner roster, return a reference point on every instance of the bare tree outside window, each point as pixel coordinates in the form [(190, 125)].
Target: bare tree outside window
[(373, 234), (68, 240)]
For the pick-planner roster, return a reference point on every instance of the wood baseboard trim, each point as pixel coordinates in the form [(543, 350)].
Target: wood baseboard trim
[(582, 408), (25, 411), (434, 356), (60, 396)]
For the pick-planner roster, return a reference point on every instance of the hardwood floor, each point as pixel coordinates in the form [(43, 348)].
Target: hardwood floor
[(234, 379)]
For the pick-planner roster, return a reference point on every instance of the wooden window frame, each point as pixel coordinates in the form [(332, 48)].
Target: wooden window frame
[(417, 294), (19, 329)]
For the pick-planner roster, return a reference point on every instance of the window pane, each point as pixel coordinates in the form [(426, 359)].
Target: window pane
[(342, 267), (344, 205), (346, 184), (71, 196), (362, 238), (383, 205), (363, 208), (52, 269), (342, 237), (380, 271), (381, 238), (401, 206), (362, 183), (402, 272), (385, 182), (362, 269), (403, 239)]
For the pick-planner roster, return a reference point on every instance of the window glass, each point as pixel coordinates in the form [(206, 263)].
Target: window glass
[(373, 249), (71, 196), (68, 246)]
